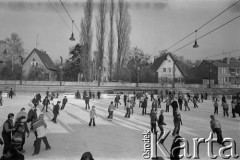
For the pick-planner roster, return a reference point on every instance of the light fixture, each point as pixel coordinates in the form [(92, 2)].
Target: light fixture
[(195, 43), (72, 35)]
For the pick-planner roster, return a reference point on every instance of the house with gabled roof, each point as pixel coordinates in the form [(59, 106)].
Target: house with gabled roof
[(39, 58), (223, 72), (164, 65)]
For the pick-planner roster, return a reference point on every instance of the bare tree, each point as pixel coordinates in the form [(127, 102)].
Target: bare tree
[(101, 30), (111, 38), (86, 38), (123, 22)]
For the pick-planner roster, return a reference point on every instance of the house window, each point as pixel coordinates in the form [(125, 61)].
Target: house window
[(164, 69), (34, 63), (169, 61), (169, 70)]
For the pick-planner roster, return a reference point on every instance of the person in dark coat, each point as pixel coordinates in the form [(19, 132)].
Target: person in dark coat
[(177, 123), (98, 94), (11, 93), (56, 111), (7, 132), (35, 101), (153, 117), (21, 128), (32, 116), (180, 102), (64, 102), (45, 103), (12, 154), (125, 100), (161, 123), (174, 105), (144, 106), (87, 102), (39, 97), (175, 148)]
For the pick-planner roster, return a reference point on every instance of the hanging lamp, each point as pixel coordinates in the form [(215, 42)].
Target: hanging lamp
[(195, 43), (72, 35)]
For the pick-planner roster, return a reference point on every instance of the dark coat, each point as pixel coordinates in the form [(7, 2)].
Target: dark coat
[(56, 109)]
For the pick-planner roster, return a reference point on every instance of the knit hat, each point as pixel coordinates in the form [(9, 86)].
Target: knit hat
[(10, 115)]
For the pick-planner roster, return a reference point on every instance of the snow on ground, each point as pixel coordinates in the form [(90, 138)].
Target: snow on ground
[(120, 139)]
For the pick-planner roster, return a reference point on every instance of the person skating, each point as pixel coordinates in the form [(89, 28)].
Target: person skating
[(153, 121), (39, 127), (225, 108), (154, 104), (152, 97), (125, 100), (87, 102), (11, 93), (215, 107), (32, 116), (19, 133), (159, 101), (174, 105), (167, 101), (186, 104), (45, 103), (98, 94), (35, 101), (216, 128), (92, 115), (1, 100), (195, 101), (111, 108), (133, 103), (64, 102), (117, 98), (7, 131), (56, 111), (144, 106), (177, 123), (202, 97), (180, 102), (161, 123), (128, 106), (233, 104)]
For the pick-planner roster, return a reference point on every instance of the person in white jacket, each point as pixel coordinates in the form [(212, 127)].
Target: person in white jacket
[(39, 127)]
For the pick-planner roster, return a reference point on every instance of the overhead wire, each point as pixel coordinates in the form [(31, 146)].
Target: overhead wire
[(206, 34), (53, 6), (69, 16), (203, 25)]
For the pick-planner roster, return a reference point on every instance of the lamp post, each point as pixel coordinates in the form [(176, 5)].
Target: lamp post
[(21, 61), (138, 69), (99, 76), (61, 70)]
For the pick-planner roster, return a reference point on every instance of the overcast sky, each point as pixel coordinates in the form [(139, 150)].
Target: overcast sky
[(156, 25)]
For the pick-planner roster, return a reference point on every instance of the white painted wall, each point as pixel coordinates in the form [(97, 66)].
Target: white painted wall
[(168, 64)]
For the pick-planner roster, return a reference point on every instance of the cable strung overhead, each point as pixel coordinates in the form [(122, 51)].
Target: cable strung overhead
[(202, 25)]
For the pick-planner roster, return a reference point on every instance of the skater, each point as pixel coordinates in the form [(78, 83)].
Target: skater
[(7, 132), (39, 98), (19, 133), (174, 105), (93, 96), (128, 106), (125, 100), (111, 108), (132, 104), (92, 114), (186, 104), (98, 94), (152, 97), (154, 104), (161, 123), (32, 116), (40, 128), (87, 102), (117, 98), (202, 97), (177, 123), (167, 101), (189, 97), (144, 106), (64, 102), (141, 99), (216, 128), (153, 118), (180, 102), (215, 107), (56, 111), (195, 101), (35, 101), (159, 101), (233, 104), (11, 93), (225, 108), (45, 103)]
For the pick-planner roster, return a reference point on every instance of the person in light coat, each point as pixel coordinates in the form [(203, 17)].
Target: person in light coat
[(92, 114)]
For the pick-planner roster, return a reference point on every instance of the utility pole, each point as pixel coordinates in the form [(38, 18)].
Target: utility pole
[(173, 82), (61, 70)]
